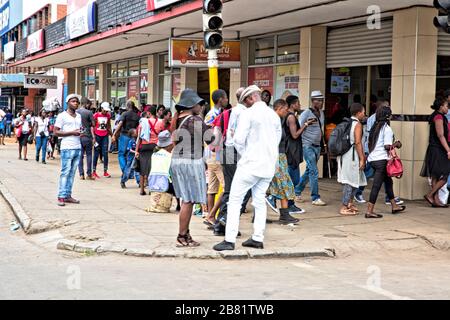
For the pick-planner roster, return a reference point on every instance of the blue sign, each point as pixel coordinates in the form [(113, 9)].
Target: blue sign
[(12, 78), (82, 21), (4, 16)]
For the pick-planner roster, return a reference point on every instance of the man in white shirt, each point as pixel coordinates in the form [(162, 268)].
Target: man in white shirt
[(256, 139), (68, 127)]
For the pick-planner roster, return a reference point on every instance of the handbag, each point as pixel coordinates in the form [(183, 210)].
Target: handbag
[(30, 139), (394, 166)]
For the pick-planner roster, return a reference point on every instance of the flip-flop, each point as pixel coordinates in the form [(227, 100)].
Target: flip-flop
[(373, 216), (208, 223)]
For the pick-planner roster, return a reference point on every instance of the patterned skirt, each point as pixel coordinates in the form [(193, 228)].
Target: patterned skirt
[(281, 186)]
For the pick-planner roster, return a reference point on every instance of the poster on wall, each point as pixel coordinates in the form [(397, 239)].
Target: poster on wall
[(144, 83), (287, 81), (133, 87), (35, 42), (340, 80), (261, 77), (192, 53)]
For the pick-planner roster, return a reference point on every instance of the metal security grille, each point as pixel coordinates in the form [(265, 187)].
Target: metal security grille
[(357, 45), (443, 44)]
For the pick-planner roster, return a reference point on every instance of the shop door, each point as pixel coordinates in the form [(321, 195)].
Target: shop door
[(203, 82)]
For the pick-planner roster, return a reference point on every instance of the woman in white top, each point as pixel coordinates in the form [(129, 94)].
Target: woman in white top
[(41, 134), (23, 130), (381, 139), (351, 164)]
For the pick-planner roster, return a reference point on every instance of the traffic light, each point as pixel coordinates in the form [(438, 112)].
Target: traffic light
[(442, 21), (212, 24)]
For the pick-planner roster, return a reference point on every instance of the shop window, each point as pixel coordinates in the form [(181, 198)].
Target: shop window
[(134, 68), (122, 69), (169, 83), (442, 74), (90, 83), (262, 51), (288, 48)]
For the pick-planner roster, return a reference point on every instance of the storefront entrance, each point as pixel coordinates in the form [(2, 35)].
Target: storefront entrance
[(203, 82)]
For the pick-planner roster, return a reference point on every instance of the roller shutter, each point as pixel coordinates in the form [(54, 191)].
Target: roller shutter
[(357, 45)]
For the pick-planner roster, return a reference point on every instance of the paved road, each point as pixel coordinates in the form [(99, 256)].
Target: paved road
[(32, 269)]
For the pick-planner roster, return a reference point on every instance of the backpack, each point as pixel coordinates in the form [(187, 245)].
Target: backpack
[(339, 142)]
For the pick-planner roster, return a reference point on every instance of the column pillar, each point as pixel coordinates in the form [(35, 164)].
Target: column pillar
[(189, 78), (235, 84), (313, 58), (102, 82), (153, 84), (313, 61), (414, 59)]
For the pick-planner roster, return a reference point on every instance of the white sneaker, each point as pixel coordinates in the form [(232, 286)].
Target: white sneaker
[(319, 203), (360, 199)]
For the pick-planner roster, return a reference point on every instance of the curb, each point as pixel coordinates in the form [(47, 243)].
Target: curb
[(204, 254), (20, 214)]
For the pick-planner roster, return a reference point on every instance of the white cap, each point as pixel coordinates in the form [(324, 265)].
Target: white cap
[(72, 96), (248, 91), (105, 106), (317, 95)]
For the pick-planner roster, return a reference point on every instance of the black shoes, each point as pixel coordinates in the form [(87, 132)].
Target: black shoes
[(122, 184), (253, 244), (224, 245), (286, 218), (396, 211)]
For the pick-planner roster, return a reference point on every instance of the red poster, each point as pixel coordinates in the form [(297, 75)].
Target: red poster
[(262, 77), (35, 42), (133, 87)]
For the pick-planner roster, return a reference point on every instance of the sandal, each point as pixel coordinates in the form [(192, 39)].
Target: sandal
[(354, 208), (373, 216), (347, 212), (192, 242), (208, 223), (182, 241), (428, 200)]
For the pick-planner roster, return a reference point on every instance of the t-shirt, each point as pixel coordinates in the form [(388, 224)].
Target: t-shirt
[(130, 120), (65, 122), (87, 121), (385, 138), (440, 117), (26, 125), (42, 126), (312, 135), (101, 124), (154, 130)]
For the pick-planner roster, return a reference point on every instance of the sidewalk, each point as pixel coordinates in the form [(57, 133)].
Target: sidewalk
[(110, 219)]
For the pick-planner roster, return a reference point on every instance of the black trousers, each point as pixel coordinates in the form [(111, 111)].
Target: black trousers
[(380, 177)]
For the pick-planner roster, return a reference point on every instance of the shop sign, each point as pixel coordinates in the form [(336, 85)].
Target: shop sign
[(261, 77), (192, 53), (82, 21), (33, 81), (340, 80), (288, 79), (4, 16), (9, 50), (35, 42), (74, 5), (153, 5)]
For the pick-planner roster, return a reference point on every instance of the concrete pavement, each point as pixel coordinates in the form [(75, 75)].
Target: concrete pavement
[(110, 219)]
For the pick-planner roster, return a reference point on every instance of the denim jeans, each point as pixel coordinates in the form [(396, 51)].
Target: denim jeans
[(8, 128), (130, 172), (69, 164), (311, 175), (86, 148), (103, 149), (294, 173), (123, 143), (41, 143)]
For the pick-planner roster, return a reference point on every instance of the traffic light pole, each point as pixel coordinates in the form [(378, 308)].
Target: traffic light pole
[(213, 65)]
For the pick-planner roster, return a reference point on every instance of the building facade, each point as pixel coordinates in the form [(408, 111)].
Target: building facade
[(20, 20), (352, 50)]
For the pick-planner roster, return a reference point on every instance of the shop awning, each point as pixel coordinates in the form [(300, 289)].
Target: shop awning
[(250, 18)]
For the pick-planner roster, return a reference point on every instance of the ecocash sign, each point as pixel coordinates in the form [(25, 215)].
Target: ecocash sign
[(41, 82)]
